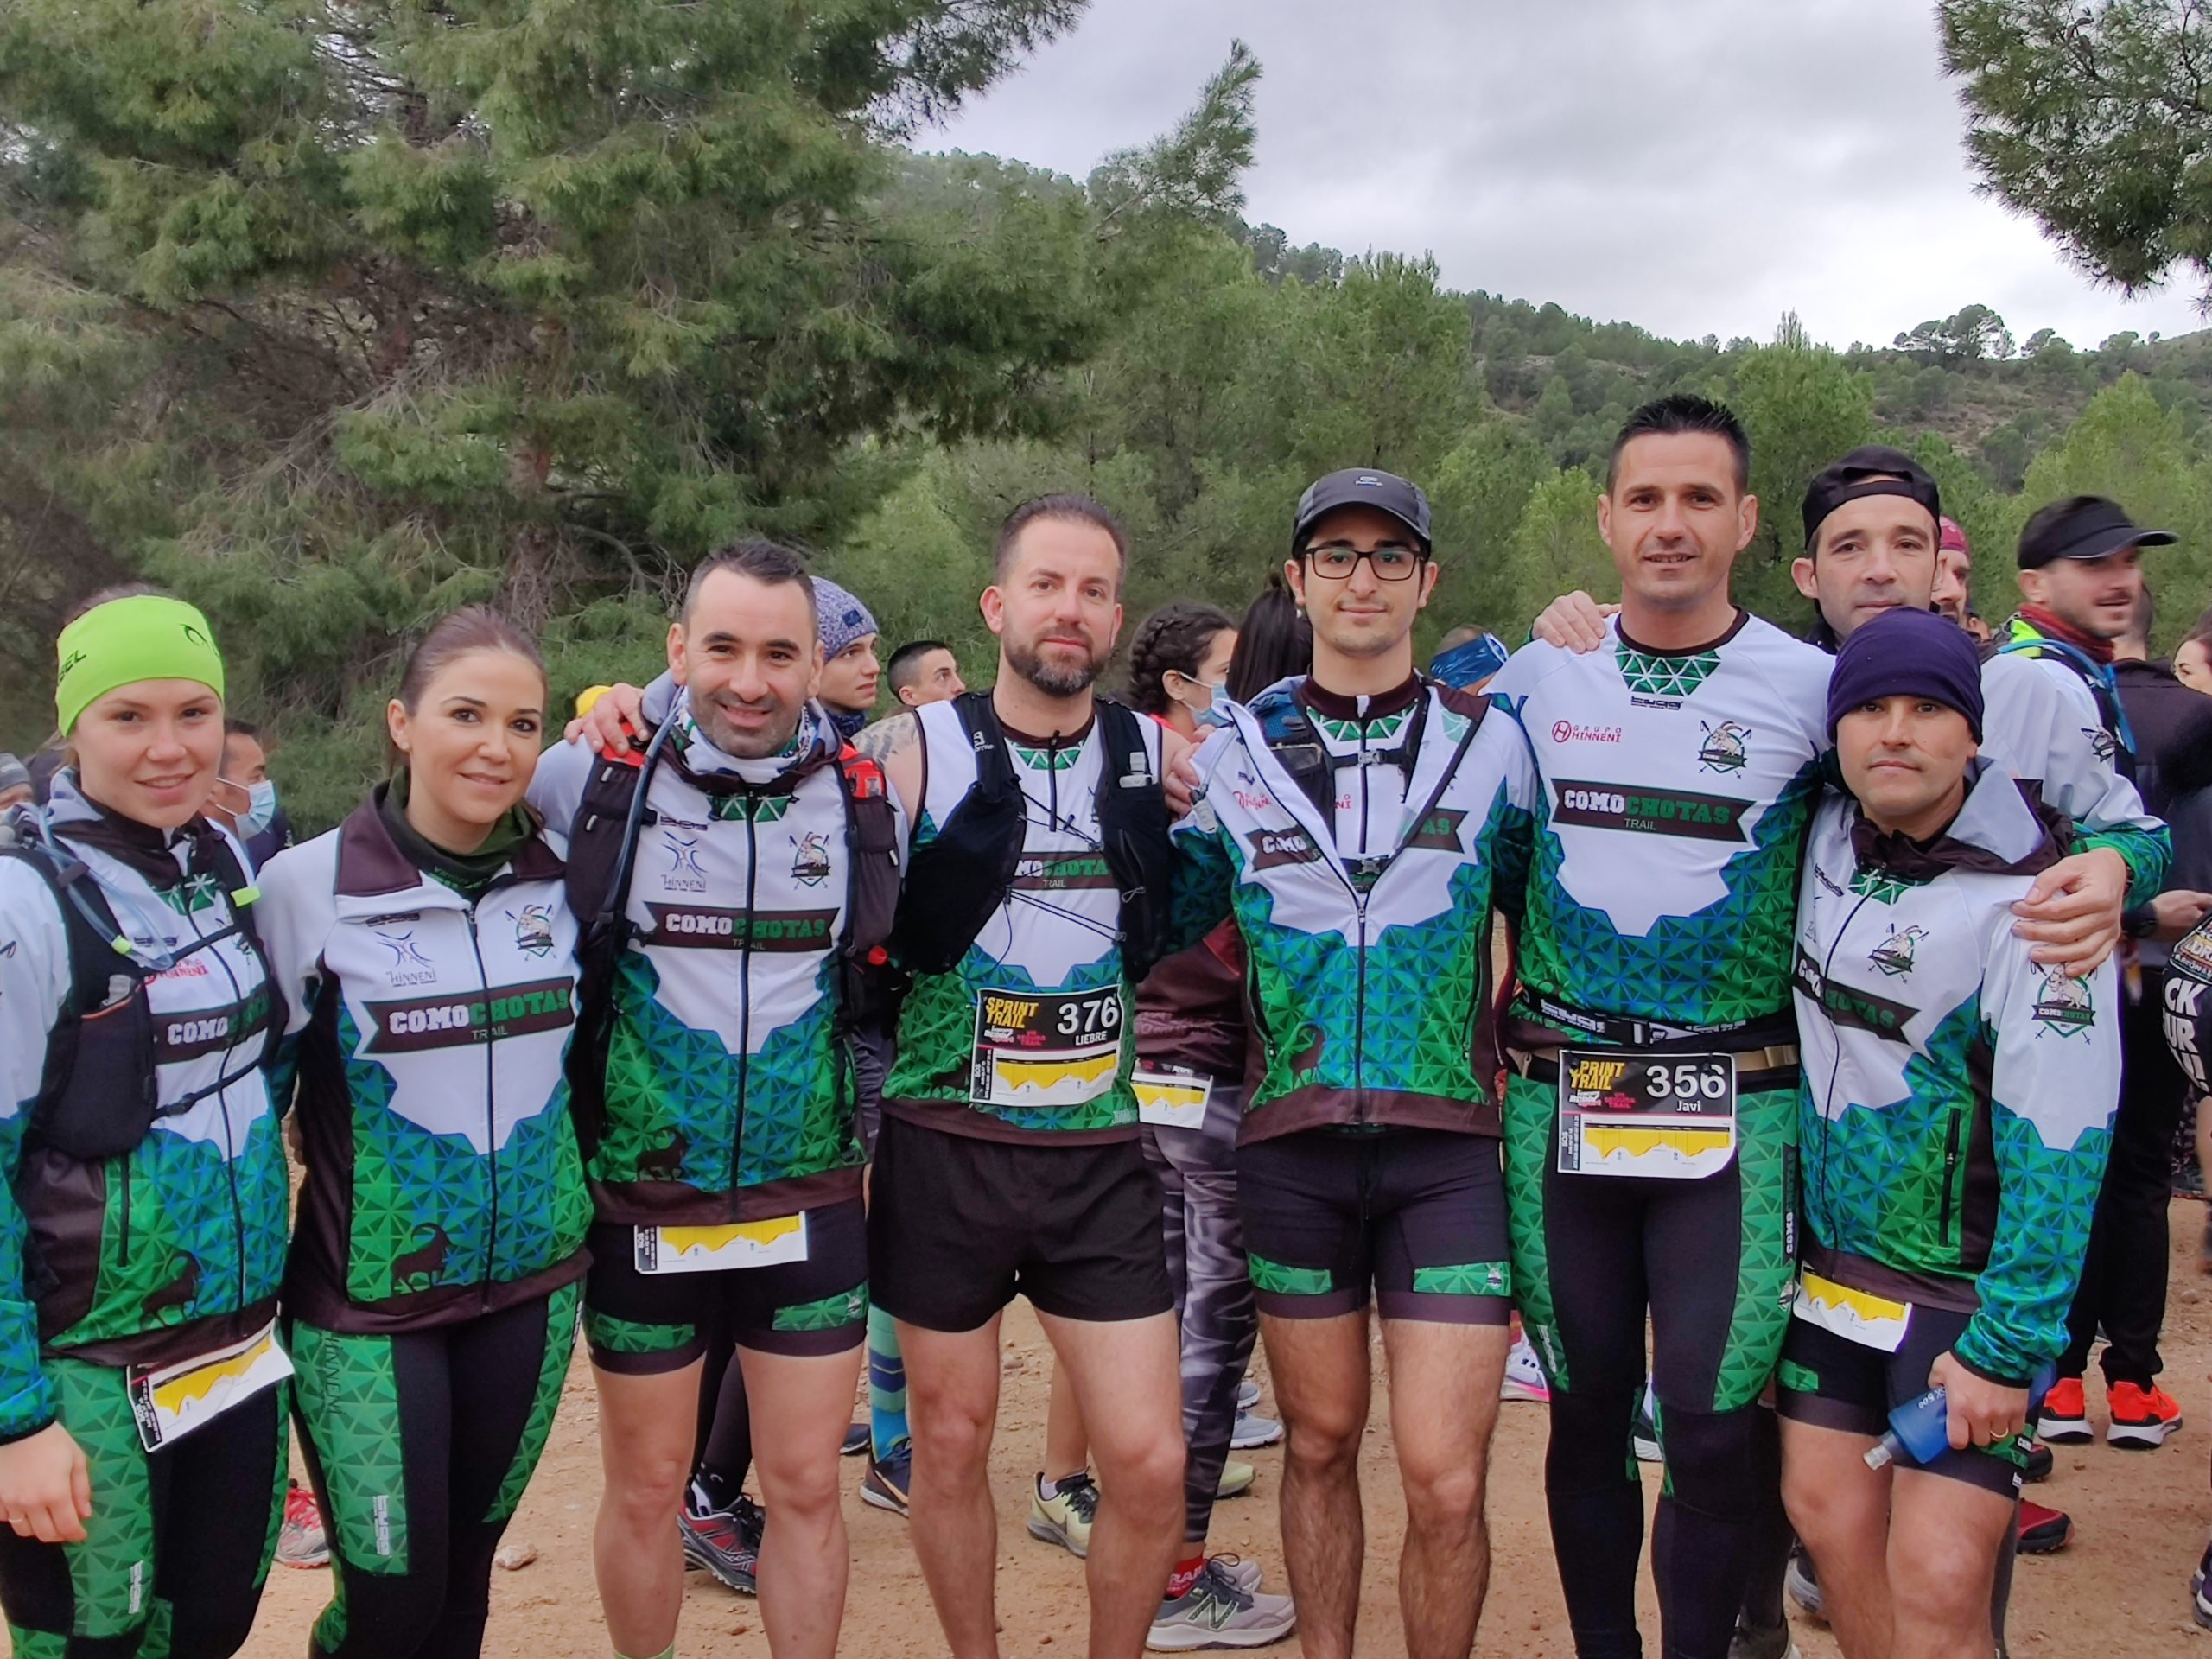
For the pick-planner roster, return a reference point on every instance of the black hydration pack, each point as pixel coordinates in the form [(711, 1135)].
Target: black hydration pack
[(959, 879), (603, 848), (100, 1092)]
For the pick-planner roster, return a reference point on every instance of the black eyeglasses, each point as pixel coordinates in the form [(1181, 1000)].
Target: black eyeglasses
[(1392, 561)]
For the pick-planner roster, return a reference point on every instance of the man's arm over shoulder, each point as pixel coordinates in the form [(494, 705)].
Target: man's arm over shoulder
[(2053, 1089), (2042, 724)]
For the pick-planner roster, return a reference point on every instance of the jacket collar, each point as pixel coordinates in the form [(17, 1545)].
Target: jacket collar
[(2004, 828), (371, 865)]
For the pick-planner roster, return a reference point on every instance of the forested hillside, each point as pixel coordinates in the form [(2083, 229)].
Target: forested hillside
[(336, 316)]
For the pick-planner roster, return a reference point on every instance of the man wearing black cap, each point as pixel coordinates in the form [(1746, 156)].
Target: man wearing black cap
[(2080, 584), (1951, 1139), (1349, 822)]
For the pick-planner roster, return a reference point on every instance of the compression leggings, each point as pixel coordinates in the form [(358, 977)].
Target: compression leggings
[(1213, 1281), (420, 1445), (179, 1540), (1711, 1260)]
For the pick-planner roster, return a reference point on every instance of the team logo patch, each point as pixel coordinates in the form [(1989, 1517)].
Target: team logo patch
[(1648, 812), (1895, 955), (810, 865), (1723, 749), (683, 874), (698, 927), (533, 930), (1271, 849), (1439, 830), (2065, 1005), (209, 1031), (1062, 873), (1851, 1008), (472, 1017), (2103, 742), (408, 966)]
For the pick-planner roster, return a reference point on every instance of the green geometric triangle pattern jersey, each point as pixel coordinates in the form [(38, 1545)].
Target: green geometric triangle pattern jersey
[(424, 1203), (1530, 1122), (171, 1251), (1675, 795), (1664, 676), (674, 1095)]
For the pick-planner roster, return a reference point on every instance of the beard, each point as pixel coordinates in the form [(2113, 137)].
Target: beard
[(1054, 679)]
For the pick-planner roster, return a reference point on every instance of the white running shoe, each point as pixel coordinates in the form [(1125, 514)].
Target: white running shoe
[(1247, 1395), (1218, 1611), (1252, 1430), (1524, 1375)]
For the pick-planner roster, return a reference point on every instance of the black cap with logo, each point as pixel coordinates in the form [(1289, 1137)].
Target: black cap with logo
[(2083, 527), (1360, 486)]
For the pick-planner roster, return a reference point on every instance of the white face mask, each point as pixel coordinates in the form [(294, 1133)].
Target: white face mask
[(260, 807)]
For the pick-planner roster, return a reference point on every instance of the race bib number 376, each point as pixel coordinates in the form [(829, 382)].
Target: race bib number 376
[(1623, 1112), (1045, 1048)]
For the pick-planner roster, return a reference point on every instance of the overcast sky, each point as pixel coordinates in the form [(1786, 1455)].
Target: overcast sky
[(1692, 166)]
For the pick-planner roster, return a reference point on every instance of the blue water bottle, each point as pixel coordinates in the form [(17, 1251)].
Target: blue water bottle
[(1920, 1430)]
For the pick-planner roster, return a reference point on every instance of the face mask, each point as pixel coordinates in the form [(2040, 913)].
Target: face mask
[(1216, 713), (260, 808)]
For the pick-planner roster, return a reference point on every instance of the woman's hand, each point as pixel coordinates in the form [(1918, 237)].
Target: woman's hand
[(46, 1488)]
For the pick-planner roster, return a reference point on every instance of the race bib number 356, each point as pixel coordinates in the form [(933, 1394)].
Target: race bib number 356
[(1622, 1112), (1045, 1048)]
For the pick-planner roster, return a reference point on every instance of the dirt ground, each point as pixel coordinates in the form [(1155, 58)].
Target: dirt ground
[(2122, 1587)]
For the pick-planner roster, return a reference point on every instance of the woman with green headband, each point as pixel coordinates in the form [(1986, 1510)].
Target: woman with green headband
[(428, 954), (142, 1180)]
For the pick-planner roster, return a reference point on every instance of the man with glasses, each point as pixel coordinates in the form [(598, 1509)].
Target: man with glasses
[(1347, 824)]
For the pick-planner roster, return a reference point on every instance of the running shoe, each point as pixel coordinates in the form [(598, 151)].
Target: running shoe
[(1524, 1375), (2064, 1419), (1247, 1395), (725, 1542), (1252, 1430), (2041, 1461), (2200, 1604), (857, 1440), (301, 1539), (1217, 1611), (1643, 1431), (1064, 1518), (1803, 1584), (1236, 1479), (2141, 1417), (2044, 1530), (1752, 1641), (889, 1478)]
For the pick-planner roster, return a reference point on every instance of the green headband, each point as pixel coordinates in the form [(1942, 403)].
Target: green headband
[(125, 641)]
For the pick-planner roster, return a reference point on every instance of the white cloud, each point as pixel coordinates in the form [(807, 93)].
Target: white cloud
[(1696, 167)]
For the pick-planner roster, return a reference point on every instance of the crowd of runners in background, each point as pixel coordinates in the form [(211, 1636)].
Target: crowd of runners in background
[(1718, 1037)]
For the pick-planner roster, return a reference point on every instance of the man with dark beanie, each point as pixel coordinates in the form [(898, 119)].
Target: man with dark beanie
[(1951, 1081)]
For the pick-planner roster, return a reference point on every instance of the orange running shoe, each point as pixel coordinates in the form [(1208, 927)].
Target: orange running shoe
[(2065, 1414), (2139, 1417)]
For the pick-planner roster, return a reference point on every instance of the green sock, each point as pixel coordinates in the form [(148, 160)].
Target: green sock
[(886, 1383), (668, 1652)]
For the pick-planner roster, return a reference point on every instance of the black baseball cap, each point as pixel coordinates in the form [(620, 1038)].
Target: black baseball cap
[(1361, 486), (2083, 527), (1874, 469)]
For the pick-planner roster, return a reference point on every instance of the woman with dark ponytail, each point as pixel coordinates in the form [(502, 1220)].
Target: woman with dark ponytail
[(428, 954)]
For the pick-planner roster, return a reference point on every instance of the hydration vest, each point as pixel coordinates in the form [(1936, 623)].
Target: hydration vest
[(99, 1095), (959, 879), (602, 847)]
